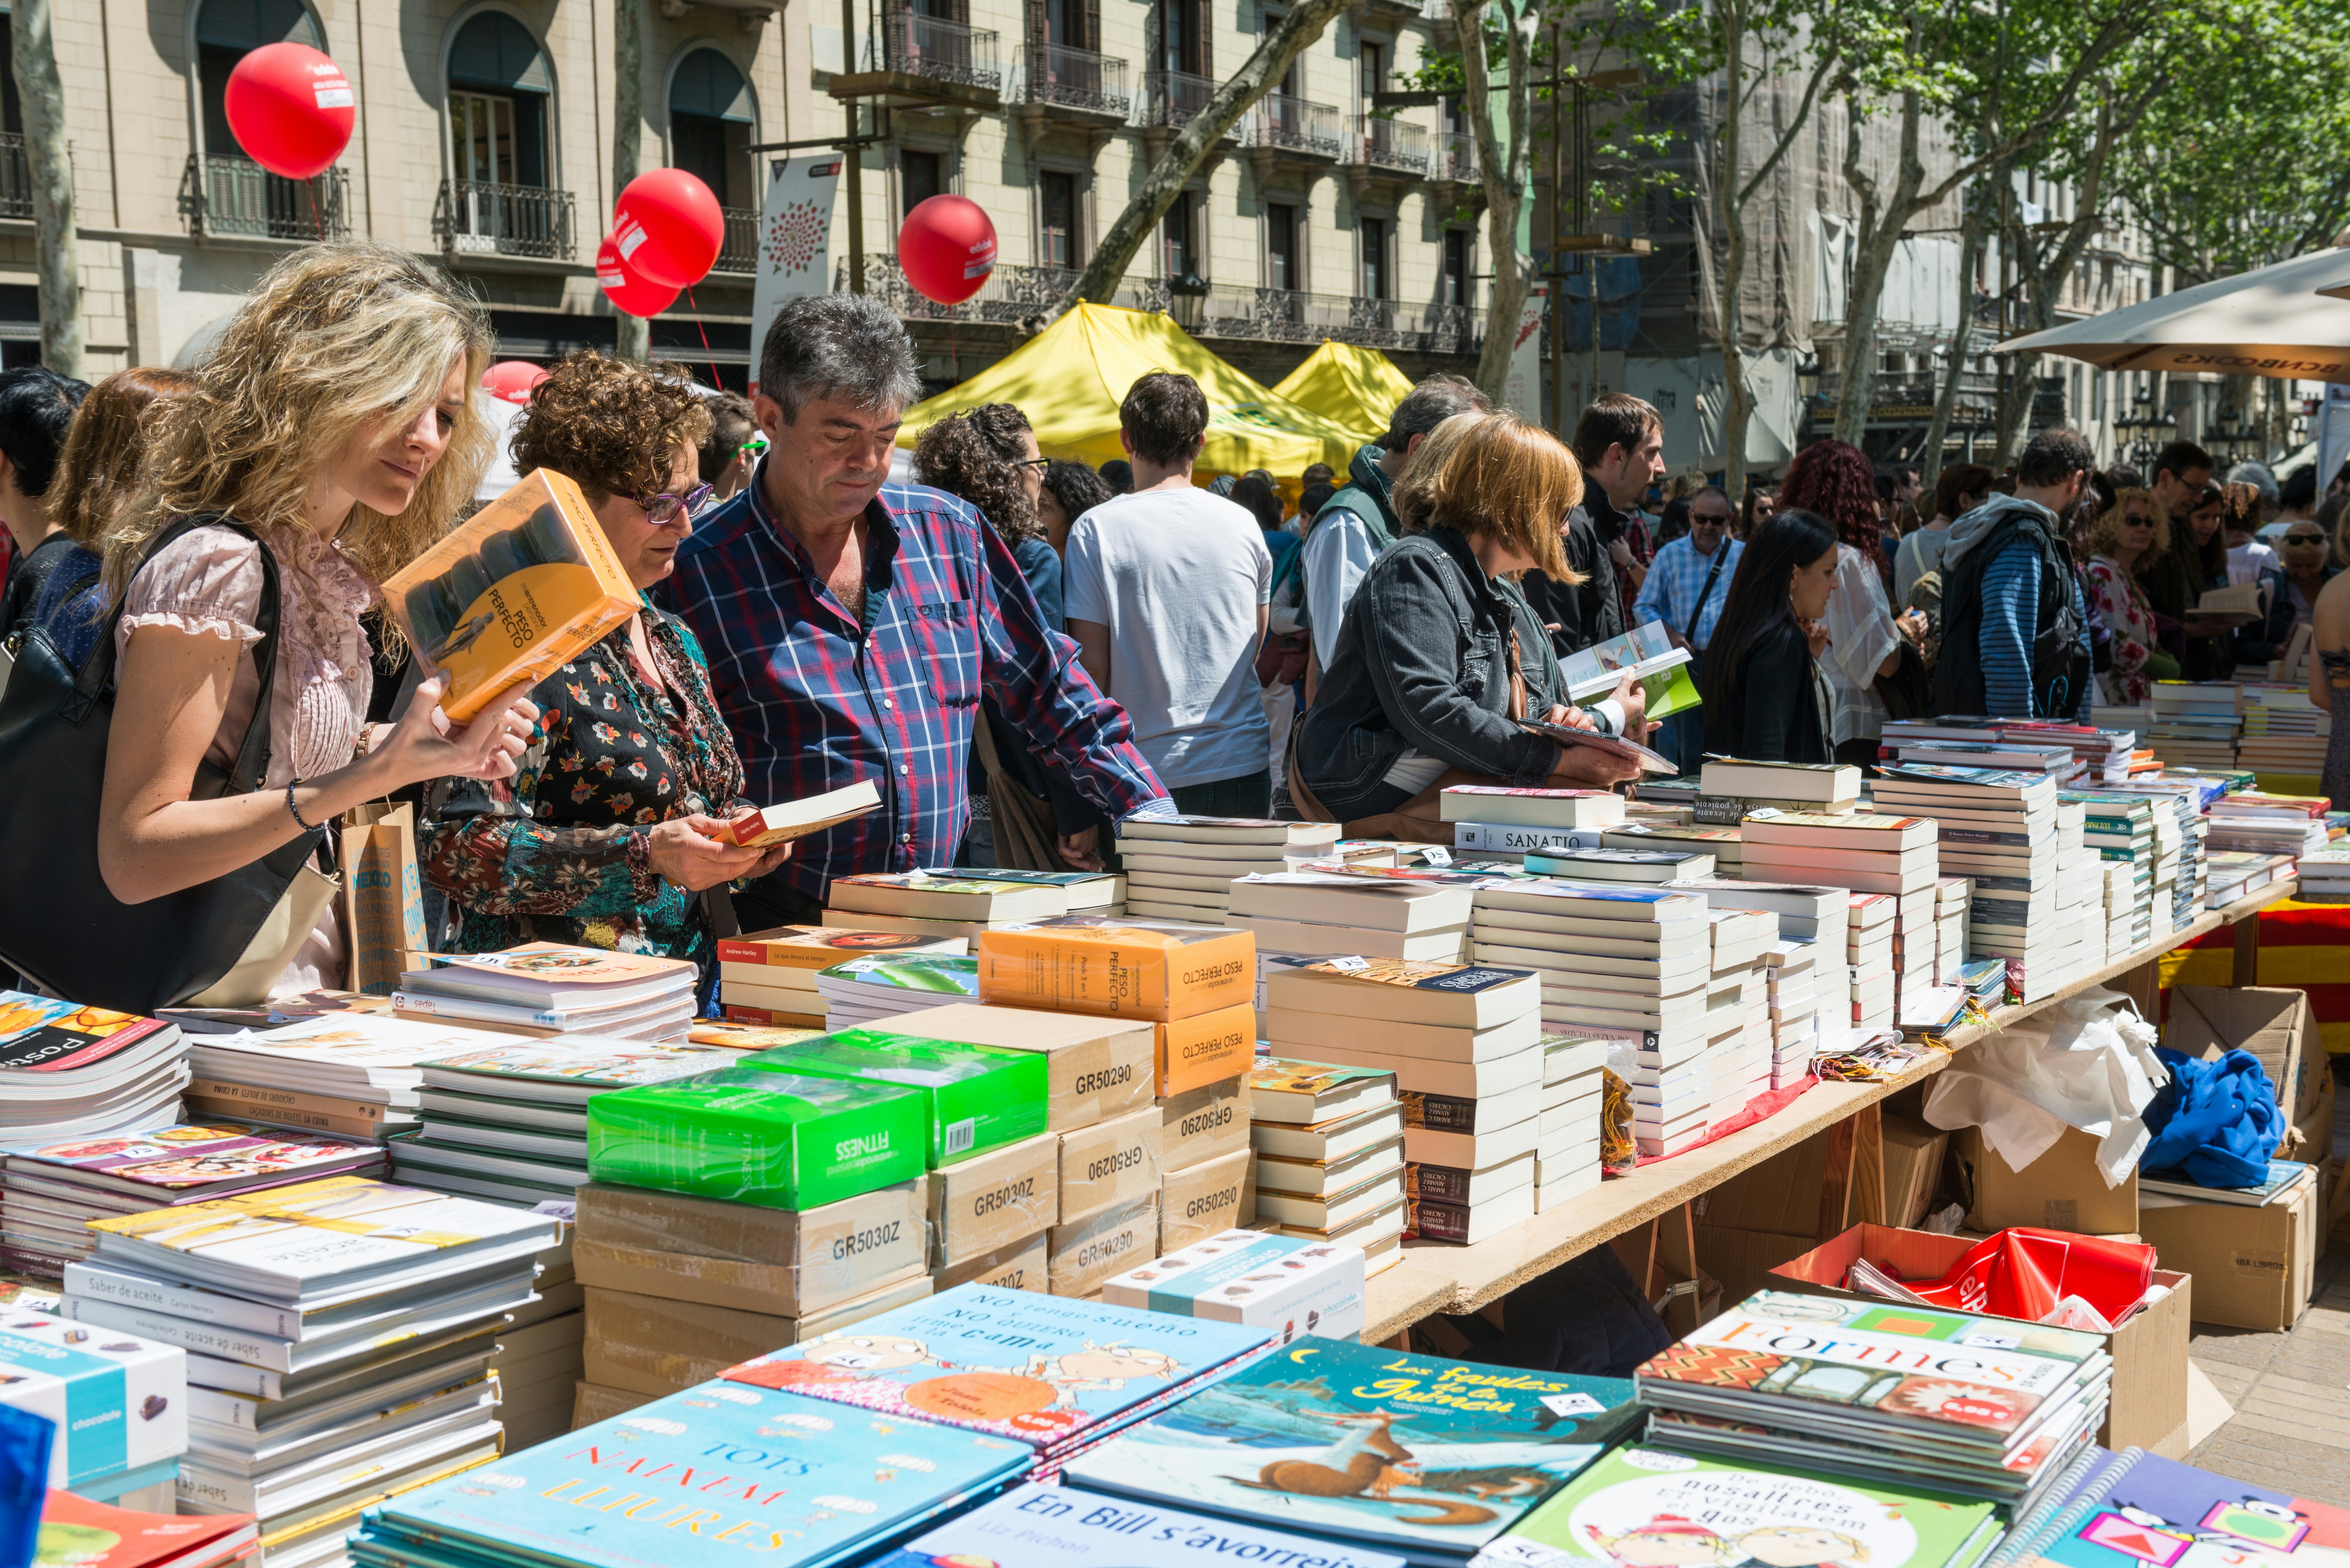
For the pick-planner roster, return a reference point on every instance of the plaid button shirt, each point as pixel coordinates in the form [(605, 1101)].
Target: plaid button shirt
[(818, 699)]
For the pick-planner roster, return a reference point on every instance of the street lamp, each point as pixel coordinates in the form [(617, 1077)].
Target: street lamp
[(1187, 299)]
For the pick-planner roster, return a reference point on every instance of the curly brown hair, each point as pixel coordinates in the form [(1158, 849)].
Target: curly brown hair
[(1832, 479), (2106, 533), (976, 455), (104, 459), (613, 427)]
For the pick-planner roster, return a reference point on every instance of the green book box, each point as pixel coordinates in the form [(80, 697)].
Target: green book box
[(979, 1097), (773, 1138)]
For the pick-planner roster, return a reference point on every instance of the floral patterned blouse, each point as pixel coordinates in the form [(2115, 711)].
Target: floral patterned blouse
[(2116, 599), (557, 852)]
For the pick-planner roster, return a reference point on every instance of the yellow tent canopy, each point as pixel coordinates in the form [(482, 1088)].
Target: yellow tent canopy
[(1070, 379), (1357, 387)]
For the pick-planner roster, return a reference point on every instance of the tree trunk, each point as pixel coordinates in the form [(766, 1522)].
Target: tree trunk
[(1972, 232), (57, 263), (1125, 238), (1506, 171), (1738, 406), (1881, 229), (633, 339)]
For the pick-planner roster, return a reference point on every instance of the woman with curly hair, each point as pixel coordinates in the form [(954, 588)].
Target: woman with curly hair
[(328, 441), (607, 835), (988, 456), (1831, 480), (1071, 490), (2129, 537)]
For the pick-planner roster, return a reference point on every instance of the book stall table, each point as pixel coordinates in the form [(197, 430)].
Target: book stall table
[(1434, 1280)]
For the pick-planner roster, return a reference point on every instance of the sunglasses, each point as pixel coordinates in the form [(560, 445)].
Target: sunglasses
[(2305, 538), (666, 508)]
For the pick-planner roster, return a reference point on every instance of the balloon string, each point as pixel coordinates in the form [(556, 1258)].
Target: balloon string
[(707, 352)]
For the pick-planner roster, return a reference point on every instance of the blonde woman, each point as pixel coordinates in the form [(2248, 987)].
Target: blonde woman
[(335, 426), (2123, 545)]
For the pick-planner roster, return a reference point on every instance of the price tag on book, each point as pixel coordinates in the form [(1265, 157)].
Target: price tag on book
[(1572, 1405), (1436, 855), (1350, 964), (1633, 827), (1764, 811), (1517, 1552)]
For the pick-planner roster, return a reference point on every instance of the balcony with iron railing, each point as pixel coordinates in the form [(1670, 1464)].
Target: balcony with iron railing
[(739, 251), (1011, 293), (1171, 98), (1293, 125), (486, 217), (1064, 78), (1292, 315), (1452, 158), (15, 177), (941, 50), (224, 194), (1395, 146)]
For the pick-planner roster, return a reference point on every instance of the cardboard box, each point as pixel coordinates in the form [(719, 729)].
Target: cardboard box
[(653, 1345), (1913, 1168), (1096, 1068), (2251, 1266), (1122, 968), (1202, 1200), (1104, 1165), (982, 1204), (1192, 1052), (780, 1261), (1283, 1283), (1080, 1256), (2061, 1191), (2275, 1023), (1208, 1122), (2149, 1351), (592, 1401), (1019, 1265), (1743, 1260)]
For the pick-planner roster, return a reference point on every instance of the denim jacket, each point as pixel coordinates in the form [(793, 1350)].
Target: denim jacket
[(1422, 666)]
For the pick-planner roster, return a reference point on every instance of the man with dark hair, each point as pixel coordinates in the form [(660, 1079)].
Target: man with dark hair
[(1317, 474), (1620, 444), (724, 464), (36, 408), (2182, 470), (852, 626), (1359, 520), (2016, 639), (1118, 474), (1165, 592)]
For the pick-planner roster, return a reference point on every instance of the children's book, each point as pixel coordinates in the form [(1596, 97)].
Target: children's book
[(2135, 1509), (715, 1466), (1034, 1526), (75, 1532), (1412, 1453), (1047, 1370)]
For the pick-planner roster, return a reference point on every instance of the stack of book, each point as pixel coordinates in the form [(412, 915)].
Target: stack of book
[(1730, 788), (1952, 897), (2006, 1416), (1989, 749), (1627, 963), (1804, 913), (2000, 829), (1737, 993), (2126, 832), (1464, 1043), (2180, 830), (119, 1405), (2292, 824), (69, 1072), (509, 1122), (2080, 883), (1724, 843), (940, 905), (1650, 863), (355, 1074), (1181, 867), (538, 1363), (1326, 912), (2236, 874), (2102, 751), (1792, 973), (1985, 980), (339, 1335), (2284, 733), (769, 977), (1868, 959), (50, 1195), (2325, 876), (547, 988), (2194, 723), (1567, 1162), (1865, 852), (876, 989), (1328, 1142), (1491, 820)]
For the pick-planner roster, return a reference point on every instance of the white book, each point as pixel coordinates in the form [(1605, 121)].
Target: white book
[(1443, 945)]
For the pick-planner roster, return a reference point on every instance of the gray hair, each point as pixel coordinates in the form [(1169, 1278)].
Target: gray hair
[(1427, 405), (844, 347)]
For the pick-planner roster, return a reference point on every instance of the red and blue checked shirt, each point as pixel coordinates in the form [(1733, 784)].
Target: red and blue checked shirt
[(818, 701)]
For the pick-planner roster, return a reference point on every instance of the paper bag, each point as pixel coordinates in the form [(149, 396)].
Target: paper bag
[(384, 896)]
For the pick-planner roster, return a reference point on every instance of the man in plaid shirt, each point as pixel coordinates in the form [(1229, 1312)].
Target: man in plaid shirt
[(851, 625)]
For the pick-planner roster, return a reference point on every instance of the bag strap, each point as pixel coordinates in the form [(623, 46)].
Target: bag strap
[(1688, 632), (97, 671)]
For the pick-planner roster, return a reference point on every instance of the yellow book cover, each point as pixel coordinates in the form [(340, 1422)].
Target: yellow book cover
[(1124, 968), (523, 585)]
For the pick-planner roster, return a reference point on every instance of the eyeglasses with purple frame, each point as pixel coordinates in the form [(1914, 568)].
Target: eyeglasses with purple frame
[(665, 507)]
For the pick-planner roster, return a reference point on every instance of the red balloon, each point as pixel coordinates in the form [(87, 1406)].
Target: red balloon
[(946, 248), (669, 227), (511, 380), (624, 288), (291, 108)]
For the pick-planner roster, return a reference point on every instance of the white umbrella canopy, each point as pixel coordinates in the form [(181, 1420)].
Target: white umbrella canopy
[(2289, 320)]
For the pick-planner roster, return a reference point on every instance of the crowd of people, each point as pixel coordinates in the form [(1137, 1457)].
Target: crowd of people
[(1020, 652)]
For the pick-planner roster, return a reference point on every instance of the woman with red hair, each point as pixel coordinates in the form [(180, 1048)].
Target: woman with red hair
[(1834, 480)]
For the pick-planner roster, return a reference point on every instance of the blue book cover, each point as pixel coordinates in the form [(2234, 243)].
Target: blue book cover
[(1039, 1368), (1034, 1526), (2135, 1509), (718, 1465), (1414, 1453)]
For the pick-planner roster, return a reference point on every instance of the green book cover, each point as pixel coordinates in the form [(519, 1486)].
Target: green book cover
[(1649, 1508), (980, 1098), (780, 1139)]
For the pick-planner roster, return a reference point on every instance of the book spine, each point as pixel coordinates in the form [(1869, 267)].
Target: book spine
[(224, 1089), (1506, 838), (222, 1409), (273, 1354), (465, 1008), (129, 1290), (1438, 1113), (1432, 1221), (350, 1127)]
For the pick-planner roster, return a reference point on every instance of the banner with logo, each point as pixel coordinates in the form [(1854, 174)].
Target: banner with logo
[(1524, 390), (795, 239)]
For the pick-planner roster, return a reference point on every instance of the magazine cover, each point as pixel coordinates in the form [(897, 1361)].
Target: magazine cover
[(1347, 1440), (40, 1034), (584, 1060), (1034, 1526), (1012, 1362), (784, 1479), (175, 1158), (554, 964)]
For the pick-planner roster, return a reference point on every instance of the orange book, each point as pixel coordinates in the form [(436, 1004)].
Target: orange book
[(523, 586), (1207, 1049), (1117, 967)]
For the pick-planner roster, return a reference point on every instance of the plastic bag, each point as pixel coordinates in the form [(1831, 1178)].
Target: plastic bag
[(2093, 1066)]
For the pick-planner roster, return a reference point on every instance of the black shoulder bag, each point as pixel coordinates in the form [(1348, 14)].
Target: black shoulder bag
[(59, 925)]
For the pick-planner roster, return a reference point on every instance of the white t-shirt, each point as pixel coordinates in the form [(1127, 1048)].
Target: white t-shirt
[(1177, 577)]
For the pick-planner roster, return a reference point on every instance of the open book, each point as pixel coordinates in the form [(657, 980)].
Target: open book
[(1613, 745), (1647, 654), (798, 818)]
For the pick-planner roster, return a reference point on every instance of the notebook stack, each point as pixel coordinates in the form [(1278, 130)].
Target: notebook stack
[(1490, 820), (1181, 867), (1730, 788), (2291, 824), (1881, 1394), (1328, 1142), (1865, 852), (769, 977), (1326, 912), (1792, 973), (338, 1336), (2126, 832), (509, 1122), (1953, 895), (2003, 831), (1868, 959), (547, 988), (2196, 724), (2325, 876), (69, 1072), (1627, 963), (2282, 732), (1464, 1043), (356, 1072), (940, 905), (873, 990), (50, 1195), (1567, 1162), (119, 1405)]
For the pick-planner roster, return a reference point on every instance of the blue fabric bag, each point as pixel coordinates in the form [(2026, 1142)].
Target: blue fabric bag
[(2215, 1124)]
